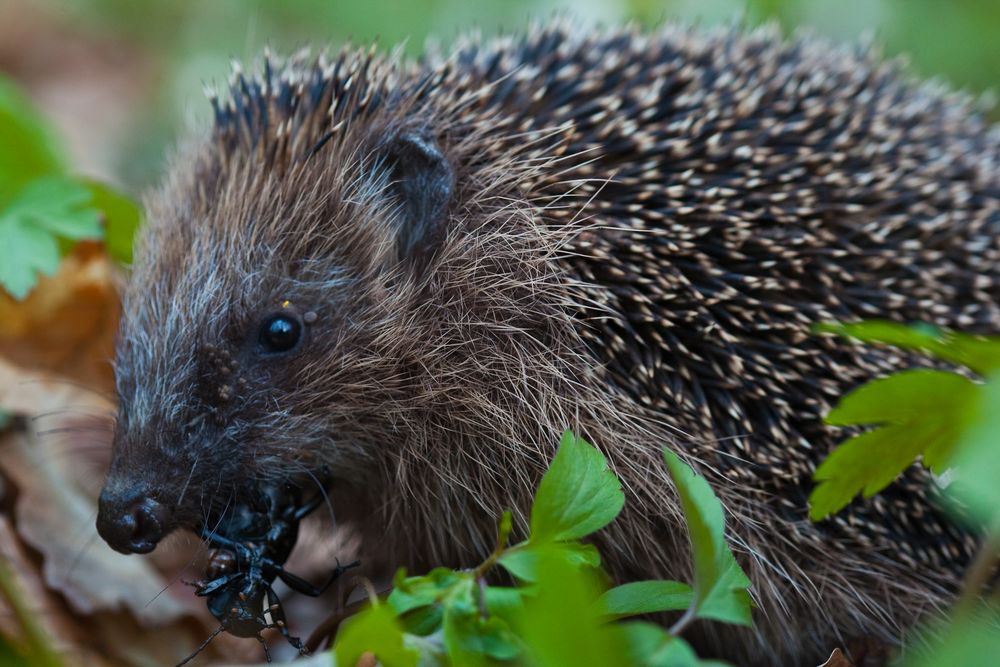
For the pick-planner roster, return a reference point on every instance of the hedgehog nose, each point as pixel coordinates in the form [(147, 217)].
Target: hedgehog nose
[(131, 523)]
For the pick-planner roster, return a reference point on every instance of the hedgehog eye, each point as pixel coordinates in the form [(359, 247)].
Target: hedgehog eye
[(280, 333)]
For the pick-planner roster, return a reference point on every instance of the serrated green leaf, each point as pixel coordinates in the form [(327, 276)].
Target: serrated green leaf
[(28, 150), (44, 211), (980, 354), (578, 494), (729, 600), (122, 217), (921, 412), (522, 561), (646, 597), (720, 586), (373, 630), (904, 397)]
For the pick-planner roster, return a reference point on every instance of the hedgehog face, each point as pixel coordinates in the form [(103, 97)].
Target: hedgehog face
[(263, 334)]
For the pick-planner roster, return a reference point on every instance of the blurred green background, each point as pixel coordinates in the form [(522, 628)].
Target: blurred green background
[(132, 72)]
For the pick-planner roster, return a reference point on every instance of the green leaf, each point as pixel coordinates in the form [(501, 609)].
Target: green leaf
[(978, 458), (412, 592), (28, 150), (448, 601), (471, 639), (375, 630), (720, 586), (968, 641), (504, 601), (423, 621), (647, 597), (561, 624), (578, 494), (649, 645), (922, 412), (980, 354), (421, 601), (121, 216), (522, 561), (729, 600), (30, 225)]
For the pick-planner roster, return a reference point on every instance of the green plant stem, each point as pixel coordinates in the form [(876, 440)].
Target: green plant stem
[(503, 534), (685, 620), (37, 640)]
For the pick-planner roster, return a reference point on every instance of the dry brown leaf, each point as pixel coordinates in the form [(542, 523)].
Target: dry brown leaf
[(101, 640), (57, 519), (57, 467), (39, 394), (67, 324), (136, 645)]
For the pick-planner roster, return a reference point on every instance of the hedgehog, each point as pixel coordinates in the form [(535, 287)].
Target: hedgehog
[(406, 279)]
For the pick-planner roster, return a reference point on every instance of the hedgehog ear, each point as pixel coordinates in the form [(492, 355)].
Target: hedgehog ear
[(422, 182)]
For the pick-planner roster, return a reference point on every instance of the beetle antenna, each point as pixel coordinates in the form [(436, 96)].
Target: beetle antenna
[(201, 647)]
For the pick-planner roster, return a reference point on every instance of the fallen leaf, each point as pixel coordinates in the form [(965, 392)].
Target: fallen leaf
[(67, 324), (57, 519), (38, 394)]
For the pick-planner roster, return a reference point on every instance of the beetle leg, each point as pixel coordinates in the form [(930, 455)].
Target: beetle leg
[(274, 615), (267, 652), (313, 503), (214, 585), (300, 585)]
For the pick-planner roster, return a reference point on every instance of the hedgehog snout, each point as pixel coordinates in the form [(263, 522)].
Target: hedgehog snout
[(130, 520)]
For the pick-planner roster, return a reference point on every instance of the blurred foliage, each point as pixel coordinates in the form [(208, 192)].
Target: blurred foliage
[(191, 43), (43, 210), (930, 415), (37, 647), (950, 423)]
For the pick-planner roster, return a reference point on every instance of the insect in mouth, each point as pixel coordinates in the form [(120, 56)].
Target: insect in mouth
[(250, 546)]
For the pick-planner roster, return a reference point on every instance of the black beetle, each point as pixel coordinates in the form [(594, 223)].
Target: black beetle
[(251, 544)]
